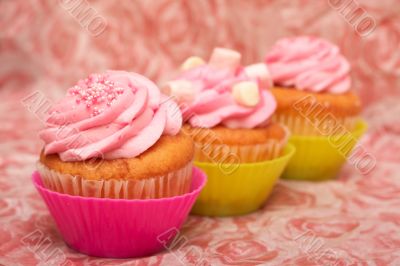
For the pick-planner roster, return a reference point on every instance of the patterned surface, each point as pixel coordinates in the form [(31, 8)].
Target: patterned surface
[(351, 221)]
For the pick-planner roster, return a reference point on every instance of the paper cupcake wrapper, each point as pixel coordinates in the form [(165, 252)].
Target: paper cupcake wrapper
[(299, 125), (239, 189), (173, 184), (321, 158), (119, 228), (217, 153)]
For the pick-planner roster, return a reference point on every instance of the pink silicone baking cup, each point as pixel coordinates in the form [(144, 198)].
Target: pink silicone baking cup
[(119, 228)]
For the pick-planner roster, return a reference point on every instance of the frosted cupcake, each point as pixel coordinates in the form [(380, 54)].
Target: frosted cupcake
[(227, 110), (312, 87), (114, 135)]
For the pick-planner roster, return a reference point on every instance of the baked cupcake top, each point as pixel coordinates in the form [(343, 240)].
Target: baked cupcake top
[(310, 64), (112, 115), (222, 92)]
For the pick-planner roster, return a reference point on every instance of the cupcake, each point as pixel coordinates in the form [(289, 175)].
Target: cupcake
[(227, 111), (116, 170), (114, 135), (312, 87)]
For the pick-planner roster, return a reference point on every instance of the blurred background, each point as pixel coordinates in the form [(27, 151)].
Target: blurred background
[(51, 44)]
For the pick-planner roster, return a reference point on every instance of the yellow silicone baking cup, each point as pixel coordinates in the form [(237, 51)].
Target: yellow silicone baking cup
[(243, 190), (320, 158)]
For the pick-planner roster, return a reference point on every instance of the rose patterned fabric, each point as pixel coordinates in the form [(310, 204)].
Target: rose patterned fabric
[(354, 220)]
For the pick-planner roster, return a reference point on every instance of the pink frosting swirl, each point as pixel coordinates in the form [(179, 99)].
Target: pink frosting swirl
[(309, 63), (113, 115), (206, 93)]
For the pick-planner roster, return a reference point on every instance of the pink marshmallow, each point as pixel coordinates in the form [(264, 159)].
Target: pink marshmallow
[(181, 90), (225, 58), (260, 71)]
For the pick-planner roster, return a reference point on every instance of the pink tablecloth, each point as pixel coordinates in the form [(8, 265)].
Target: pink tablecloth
[(354, 220)]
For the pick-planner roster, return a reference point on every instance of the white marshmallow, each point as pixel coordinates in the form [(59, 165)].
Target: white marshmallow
[(181, 90), (225, 58), (192, 62), (246, 93)]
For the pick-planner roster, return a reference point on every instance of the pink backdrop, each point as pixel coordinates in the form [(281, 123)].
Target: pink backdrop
[(46, 46)]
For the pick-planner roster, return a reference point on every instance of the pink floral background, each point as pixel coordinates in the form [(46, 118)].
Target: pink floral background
[(45, 46)]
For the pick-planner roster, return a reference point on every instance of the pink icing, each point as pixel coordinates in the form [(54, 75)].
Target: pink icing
[(113, 115), (309, 63), (213, 102)]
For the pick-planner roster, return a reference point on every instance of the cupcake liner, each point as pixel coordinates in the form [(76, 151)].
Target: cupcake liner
[(299, 125), (173, 184), (217, 153), (321, 158), (243, 190), (119, 228)]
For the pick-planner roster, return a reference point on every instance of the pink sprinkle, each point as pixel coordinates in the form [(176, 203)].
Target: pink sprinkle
[(96, 90)]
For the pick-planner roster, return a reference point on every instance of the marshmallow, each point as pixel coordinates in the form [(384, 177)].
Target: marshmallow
[(192, 62), (225, 58), (259, 71), (246, 93), (181, 90)]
